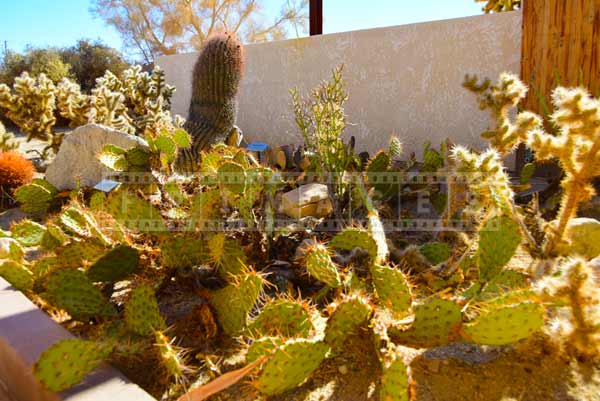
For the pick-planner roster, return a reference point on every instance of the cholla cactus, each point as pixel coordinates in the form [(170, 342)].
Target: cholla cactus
[(574, 286), (71, 103), (7, 140), (577, 147), (30, 105), (500, 99)]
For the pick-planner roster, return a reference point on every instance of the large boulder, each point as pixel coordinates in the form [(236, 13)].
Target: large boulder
[(76, 162)]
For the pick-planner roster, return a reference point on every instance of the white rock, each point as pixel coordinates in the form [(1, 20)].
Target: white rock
[(76, 161), (307, 200)]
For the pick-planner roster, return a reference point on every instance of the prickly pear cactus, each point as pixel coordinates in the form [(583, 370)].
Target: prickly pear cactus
[(436, 252), (320, 266), (135, 213), (16, 274), (115, 265), (141, 312), (182, 252), (11, 249), (36, 197), (227, 255), (170, 357), (282, 317), (291, 365), (436, 323), (346, 317), (351, 238), (392, 289), (233, 302), (28, 233), (67, 362), (78, 253), (498, 242), (394, 379), (263, 346), (53, 237), (72, 291), (502, 325)]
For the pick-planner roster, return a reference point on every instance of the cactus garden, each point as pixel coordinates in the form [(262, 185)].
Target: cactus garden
[(203, 270)]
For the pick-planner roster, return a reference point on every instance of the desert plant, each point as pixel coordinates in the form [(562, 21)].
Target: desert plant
[(215, 82), (15, 170), (321, 120)]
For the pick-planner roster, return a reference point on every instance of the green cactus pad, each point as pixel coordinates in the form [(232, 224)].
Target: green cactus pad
[(320, 266), (97, 201), (380, 162), (347, 316), (505, 324), (78, 253), (436, 252), (183, 252), (141, 312), (28, 233), (227, 255), (498, 242), (116, 265), (113, 157), (34, 197), (44, 266), (138, 156), (232, 177), (233, 302), (167, 148), (67, 362), (582, 238), (76, 221), (392, 288), (11, 249), (282, 317), (291, 365), (351, 238), (135, 213), (53, 237), (17, 275), (263, 346), (436, 323), (394, 380), (72, 291), (181, 138)]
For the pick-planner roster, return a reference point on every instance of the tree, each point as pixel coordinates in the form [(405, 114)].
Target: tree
[(161, 27), (35, 61), (498, 6), (90, 60)]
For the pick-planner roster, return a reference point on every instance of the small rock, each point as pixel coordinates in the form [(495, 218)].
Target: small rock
[(307, 200), (343, 369), (583, 236), (76, 161)]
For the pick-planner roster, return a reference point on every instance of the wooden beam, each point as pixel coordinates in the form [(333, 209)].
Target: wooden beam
[(316, 17)]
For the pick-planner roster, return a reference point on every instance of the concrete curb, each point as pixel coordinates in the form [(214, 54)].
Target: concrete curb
[(29, 331)]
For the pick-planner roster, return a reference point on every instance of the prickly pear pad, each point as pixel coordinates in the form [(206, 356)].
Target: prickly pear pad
[(347, 316), (28, 233), (394, 380), (291, 365), (141, 312), (352, 238), (263, 346), (436, 252), (67, 362), (393, 290), (233, 302), (319, 265), (436, 321), (498, 241), (16, 274), (506, 324), (117, 264), (282, 317), (72, 291)]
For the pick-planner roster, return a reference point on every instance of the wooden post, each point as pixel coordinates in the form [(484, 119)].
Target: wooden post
[(316, 17), (560, 47)]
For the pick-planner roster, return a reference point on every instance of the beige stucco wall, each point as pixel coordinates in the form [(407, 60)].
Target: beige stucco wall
[(404, 79)]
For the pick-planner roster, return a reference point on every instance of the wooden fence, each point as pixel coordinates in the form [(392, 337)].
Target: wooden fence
[(560, 46)]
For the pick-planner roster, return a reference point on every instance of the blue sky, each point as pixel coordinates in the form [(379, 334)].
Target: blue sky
[(61, 22)]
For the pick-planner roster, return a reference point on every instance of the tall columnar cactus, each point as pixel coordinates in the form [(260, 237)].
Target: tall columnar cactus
[(216, 79)]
